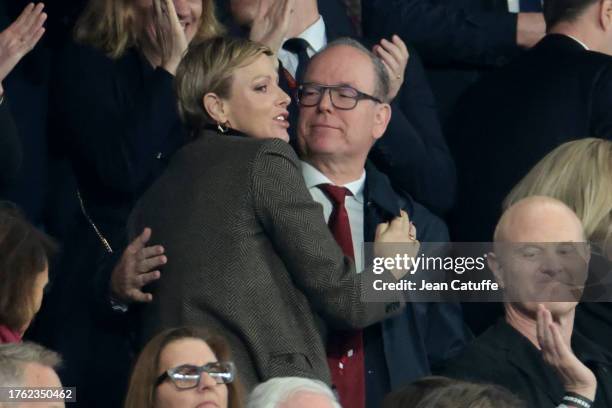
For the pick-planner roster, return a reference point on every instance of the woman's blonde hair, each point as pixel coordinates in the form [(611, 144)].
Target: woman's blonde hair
[(208, 67), (112, 25), (141, 392), (579, 173)]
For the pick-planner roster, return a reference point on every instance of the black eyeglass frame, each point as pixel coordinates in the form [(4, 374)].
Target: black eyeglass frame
[(322, 88), (206, 368)]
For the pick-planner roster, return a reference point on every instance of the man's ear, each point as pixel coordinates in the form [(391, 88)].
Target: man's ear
[(382, 117), (605, 14), (496, 268), (215, 107)]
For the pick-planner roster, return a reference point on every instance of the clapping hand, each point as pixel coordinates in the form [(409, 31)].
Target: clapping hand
[(271, 22), (20, 37), (394, 55)]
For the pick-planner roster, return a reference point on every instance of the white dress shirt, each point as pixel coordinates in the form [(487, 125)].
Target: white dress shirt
[(353, 204), (316, 38)]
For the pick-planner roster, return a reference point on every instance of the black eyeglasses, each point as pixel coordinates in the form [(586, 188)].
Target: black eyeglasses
[(343, 97), (188, 376)]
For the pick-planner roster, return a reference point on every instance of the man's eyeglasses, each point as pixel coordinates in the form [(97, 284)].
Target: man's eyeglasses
[(188, 376), (343, 97)]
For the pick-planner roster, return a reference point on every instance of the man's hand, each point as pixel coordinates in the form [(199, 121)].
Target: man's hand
[(575, 376), (530, 28), (20, 37), (137, 268), (398, 231), (271, 23), (394, 55)]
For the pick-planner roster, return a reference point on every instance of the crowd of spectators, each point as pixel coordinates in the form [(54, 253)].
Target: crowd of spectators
[(212, 171)]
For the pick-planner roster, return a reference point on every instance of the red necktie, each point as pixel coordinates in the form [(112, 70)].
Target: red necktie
[(345, 354)]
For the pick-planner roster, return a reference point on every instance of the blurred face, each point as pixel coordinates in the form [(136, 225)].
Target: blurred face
[(208, 394), (305, 399), (244, 11), (42, 279), (257, 106), (324, 130), (39, 376), (189, 13), (543, 259)]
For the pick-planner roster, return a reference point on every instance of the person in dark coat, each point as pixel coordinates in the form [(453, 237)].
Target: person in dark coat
[(558, 91), (535, 351), (334, 144), (250, 256), (114, 114), (459, 40)]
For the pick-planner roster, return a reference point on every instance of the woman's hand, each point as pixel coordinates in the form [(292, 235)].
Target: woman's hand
[(20, 37), (575, 376), (167, 35), (271, 23), (394, 55)]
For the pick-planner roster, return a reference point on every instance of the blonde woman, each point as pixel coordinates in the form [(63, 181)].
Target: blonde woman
[(579, 173), (113, 114)]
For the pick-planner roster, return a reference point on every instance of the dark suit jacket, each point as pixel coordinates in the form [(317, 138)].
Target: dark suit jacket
[(477, 32), (505, 357), (458, 39), (413, 151), (405, 347), (251, 257), (552, 94), (10, 147)]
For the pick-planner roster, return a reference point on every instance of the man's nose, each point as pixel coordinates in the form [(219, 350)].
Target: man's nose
[(325, 104)]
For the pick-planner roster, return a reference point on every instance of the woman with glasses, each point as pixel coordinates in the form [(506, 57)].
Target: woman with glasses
[(185, 367), (249, 253)]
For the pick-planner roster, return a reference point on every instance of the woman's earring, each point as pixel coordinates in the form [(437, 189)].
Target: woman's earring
[(223, 128)]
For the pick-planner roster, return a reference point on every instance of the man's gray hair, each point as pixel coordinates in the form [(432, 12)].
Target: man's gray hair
[(381, 90), (15, 356), (275, 391)]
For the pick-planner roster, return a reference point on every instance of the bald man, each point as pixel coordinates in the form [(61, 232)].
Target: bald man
[(540, 258)]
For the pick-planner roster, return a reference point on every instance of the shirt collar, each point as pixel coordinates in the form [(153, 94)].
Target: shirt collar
[(578, 41), (315, 36), (313, 177)]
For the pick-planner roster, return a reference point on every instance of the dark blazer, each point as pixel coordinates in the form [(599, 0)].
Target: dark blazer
[(552, 94), (476, 32), (405, 347), (458, 39), (10, 147), (413, 151), (505, 357), (251, 257)]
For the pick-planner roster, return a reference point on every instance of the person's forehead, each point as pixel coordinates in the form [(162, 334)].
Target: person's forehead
[(186, 351), (341, 64)]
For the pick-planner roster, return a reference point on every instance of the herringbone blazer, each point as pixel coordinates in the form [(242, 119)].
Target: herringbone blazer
[(250, 257)]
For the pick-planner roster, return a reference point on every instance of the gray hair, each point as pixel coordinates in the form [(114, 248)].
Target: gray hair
[(15, 356), (278, 390), (382, 86)]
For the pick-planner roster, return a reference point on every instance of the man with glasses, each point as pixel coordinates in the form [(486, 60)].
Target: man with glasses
[(343, 112)]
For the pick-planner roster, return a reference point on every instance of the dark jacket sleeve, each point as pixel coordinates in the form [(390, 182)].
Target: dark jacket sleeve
[(413, 151), (601, 120), (114, 131), (296, 227), (443, 32), (10, 147)]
